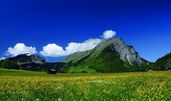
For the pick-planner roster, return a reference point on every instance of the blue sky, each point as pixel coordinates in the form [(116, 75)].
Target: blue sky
[(145, 24)]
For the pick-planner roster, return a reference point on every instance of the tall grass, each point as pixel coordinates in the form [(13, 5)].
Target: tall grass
[(141, 86)]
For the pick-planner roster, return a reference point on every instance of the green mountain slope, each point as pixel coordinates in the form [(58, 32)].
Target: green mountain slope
[(74, 58), (110, 56)]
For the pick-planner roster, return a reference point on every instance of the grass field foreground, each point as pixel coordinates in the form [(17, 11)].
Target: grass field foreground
[(32, 86)]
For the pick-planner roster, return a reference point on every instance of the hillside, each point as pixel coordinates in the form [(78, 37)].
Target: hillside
[(74, 58), (163, 63), (109, 56)]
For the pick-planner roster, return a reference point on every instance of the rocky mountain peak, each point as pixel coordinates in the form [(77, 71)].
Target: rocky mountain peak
[(112, 55), (126, 52), (27, 59)]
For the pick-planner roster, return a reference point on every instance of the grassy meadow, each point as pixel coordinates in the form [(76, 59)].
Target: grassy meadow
[(34, 86)]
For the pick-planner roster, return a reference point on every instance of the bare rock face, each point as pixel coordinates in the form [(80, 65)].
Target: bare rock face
[(127, 53)]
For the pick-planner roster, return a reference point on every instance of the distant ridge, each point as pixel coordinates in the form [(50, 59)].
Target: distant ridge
[(163, 63), (31, 63), (26, 59)]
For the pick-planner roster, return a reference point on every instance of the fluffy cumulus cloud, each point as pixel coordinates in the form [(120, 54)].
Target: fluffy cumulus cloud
[(52, 50), (108, 34), (21, 48), (2, 58)]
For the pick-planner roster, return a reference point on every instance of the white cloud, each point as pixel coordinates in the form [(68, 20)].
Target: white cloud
[(109, 34), (52, 50), (21, 48), (2, 58), (78, 47)]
